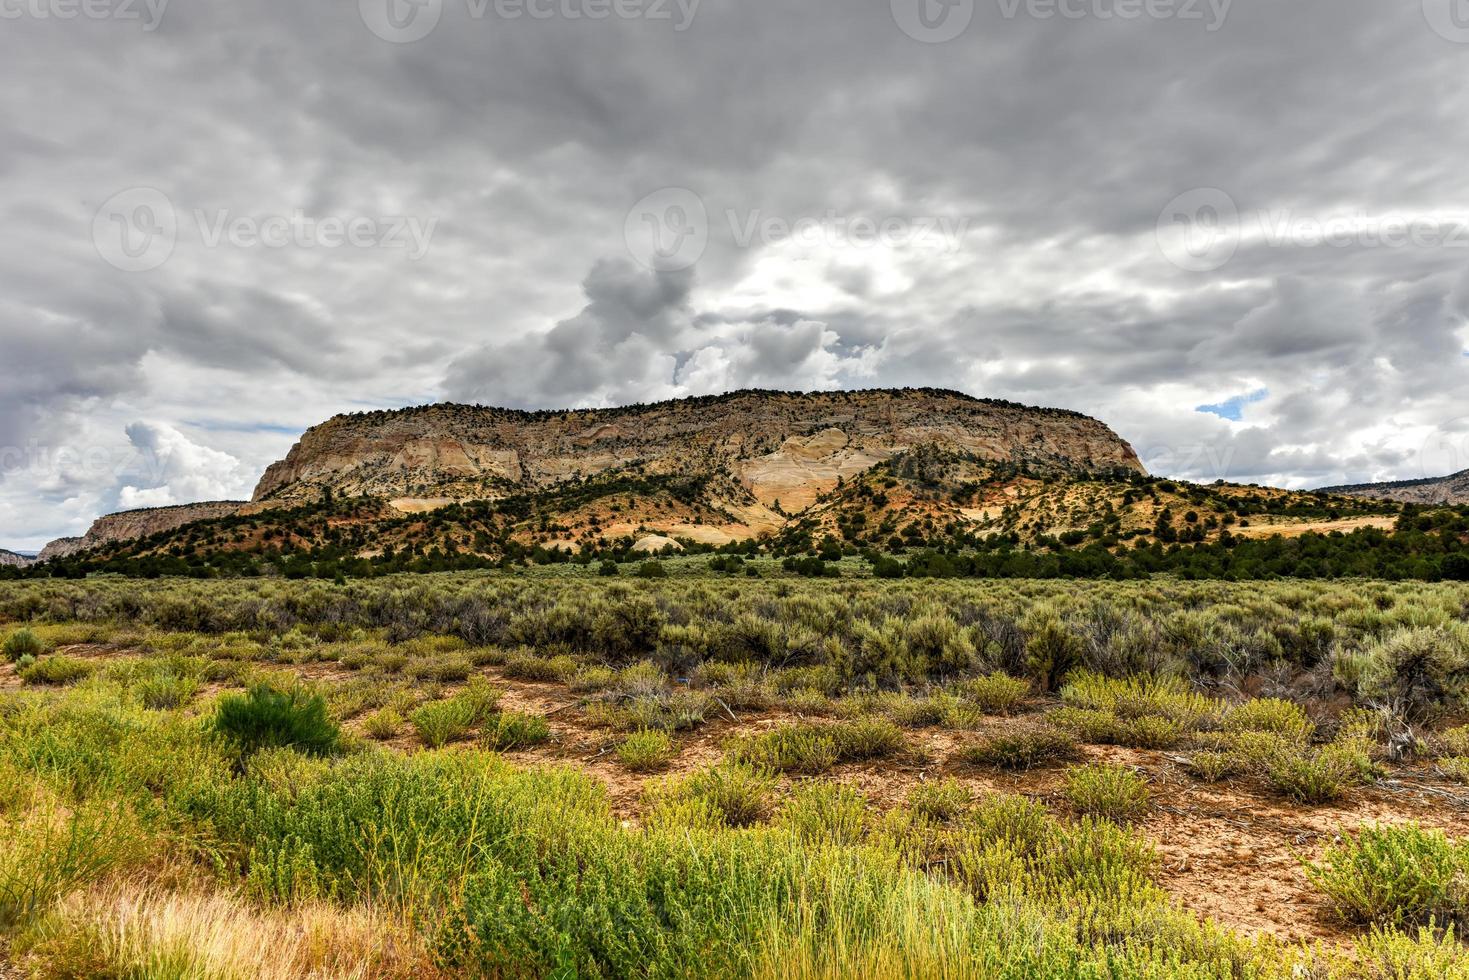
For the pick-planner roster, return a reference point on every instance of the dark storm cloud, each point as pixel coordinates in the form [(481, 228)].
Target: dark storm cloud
[(1053, 143)]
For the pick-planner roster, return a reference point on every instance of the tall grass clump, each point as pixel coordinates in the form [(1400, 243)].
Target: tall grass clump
[(269, 718)]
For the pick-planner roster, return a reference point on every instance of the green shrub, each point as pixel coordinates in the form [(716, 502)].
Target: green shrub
[(1103, 727), (942, 802), (646, 751), (1151, 732), (1311, 777), (1021, 824), (733, 793), (166, 691), (913, 712), (447, 668), (1456, 741), (1023, 750), (1139, 696), (652, 569), (23, 643), (996, 694), (1396, 876), (825, 814), (440, 722), (804, 748), (1418, 673), (1110, 792), (56, 670), (591, 679), (511, 731), (1270, 715), (1212, 767), (961, 716), (530, 667), (1455, 767), (383, 724), (1091, 725), (867, 738), (268, 718), (670, 711)]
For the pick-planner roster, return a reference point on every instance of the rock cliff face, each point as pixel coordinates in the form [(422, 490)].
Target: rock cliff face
[(13, 560), (133, 524), (779, 447), (1447, 490)]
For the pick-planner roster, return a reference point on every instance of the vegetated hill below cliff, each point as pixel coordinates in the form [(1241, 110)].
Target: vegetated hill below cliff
[(132, 525), (765, 452), (1441, 490)]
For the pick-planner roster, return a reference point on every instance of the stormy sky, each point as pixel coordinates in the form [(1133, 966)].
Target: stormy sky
[(1238, 232)]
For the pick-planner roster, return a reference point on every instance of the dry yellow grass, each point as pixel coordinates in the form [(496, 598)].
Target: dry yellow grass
[(133, 929)]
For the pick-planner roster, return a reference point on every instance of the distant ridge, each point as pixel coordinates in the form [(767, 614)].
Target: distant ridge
[(1439, 490)]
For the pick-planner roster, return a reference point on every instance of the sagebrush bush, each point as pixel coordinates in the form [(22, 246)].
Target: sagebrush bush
[(1455, 767), (1111, 792), (269, 718), (1418, 673), (445, 668), (1212, 767), (23, 643), (528, 666), (1313, 777), (803, 748), (1456, 741)]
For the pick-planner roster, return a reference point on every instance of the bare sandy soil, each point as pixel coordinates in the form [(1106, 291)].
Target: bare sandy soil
[(1296, 529)]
